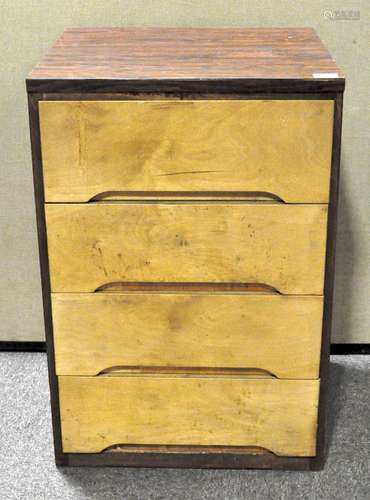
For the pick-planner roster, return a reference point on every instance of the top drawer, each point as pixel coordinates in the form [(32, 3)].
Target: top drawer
[(113, 149)]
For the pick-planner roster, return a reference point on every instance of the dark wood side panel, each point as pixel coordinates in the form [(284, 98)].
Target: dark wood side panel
[(329, 283), (44, 268)]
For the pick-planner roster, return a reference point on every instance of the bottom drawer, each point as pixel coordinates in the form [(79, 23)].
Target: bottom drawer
[(277, 415)]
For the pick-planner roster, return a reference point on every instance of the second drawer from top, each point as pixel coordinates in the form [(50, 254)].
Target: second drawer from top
[(92, 246)]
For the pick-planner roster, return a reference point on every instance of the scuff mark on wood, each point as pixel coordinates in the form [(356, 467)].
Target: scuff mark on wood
[(190, 172)]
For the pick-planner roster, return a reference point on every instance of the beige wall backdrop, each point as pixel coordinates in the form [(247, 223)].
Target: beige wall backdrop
[(29, 27)]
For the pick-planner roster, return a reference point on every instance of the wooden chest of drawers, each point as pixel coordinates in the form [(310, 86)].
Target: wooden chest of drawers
[(186, 188)]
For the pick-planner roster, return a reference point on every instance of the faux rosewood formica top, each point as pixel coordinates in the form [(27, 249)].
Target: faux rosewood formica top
[(251, 58)]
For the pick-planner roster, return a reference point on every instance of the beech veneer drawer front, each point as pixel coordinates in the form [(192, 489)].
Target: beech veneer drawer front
[(281, 147), (99, 412), (282, 246), (95, 332)]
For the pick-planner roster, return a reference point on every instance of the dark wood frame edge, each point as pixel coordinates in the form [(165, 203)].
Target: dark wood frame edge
[(321, 441), (44, 270), (162, 86), (188, 459)]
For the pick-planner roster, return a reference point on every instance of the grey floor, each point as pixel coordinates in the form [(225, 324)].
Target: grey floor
[(27, 470)]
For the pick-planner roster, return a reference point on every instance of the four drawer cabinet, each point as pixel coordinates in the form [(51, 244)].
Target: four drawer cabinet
[(186, 187)]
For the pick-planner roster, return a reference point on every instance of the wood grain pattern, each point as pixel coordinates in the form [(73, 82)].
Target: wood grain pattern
[(282, 246), (98, 412), (94, 332), (185, 53), (274, 146)]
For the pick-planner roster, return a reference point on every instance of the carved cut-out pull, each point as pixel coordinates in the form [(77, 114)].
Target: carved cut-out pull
[(258, 196), (178, 371), (121, 286), (188, 449)]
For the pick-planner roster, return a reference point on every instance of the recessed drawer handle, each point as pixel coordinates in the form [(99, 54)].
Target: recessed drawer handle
[(176, 371), (187, 195), (137, 286), (188, 449)]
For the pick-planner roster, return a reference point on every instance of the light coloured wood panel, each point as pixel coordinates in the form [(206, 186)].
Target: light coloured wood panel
[(94, 332), (98, 412), (282, 246), (281, 147)]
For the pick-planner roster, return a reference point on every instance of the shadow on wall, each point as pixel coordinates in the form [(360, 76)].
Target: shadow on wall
[(344, 289), (335, 403)]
